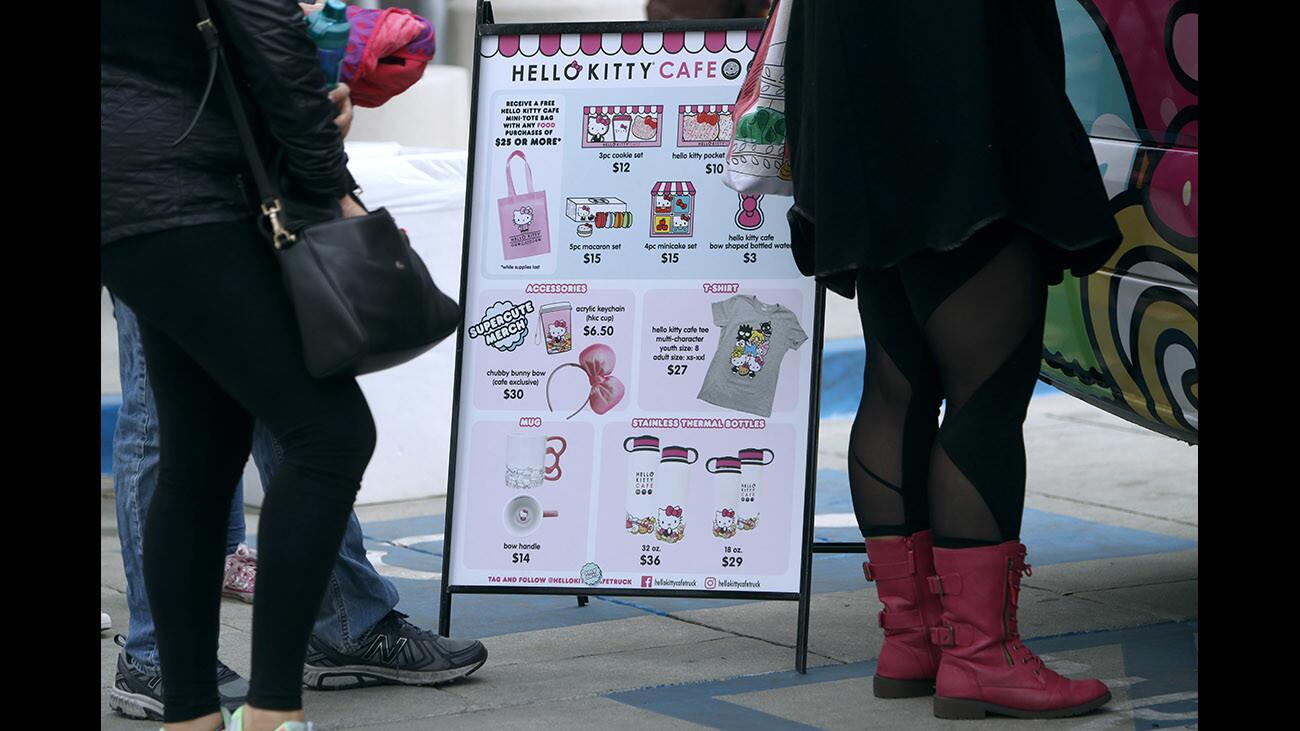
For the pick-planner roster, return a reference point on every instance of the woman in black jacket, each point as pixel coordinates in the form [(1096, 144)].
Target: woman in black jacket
[(179, 245)]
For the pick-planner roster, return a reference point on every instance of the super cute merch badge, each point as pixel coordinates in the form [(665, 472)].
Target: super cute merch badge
[(524, 227)]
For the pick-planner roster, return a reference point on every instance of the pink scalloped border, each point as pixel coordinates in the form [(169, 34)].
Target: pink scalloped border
[(591, 44)]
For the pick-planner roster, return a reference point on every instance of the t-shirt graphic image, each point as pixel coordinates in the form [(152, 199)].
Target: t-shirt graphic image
[(755, 336), (752, 344)]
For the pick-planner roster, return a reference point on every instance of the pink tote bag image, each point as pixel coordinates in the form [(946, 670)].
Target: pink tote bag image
[(524, 228)]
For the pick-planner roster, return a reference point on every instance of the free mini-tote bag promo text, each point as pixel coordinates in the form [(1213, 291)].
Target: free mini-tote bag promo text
[(524, 227)]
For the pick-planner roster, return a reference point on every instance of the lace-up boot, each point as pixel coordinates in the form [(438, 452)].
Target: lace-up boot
[(985, 667)]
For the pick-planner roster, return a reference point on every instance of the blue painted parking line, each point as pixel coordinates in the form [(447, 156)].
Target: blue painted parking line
[(1052, 538), (1158, 660), (109, 406)]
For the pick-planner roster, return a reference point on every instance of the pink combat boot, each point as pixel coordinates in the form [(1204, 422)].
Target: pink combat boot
[(985, 668), (900, 568)]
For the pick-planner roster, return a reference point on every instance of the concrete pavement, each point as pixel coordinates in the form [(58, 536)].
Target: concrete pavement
[(1111, 526)]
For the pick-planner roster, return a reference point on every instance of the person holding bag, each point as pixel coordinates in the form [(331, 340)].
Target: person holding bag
[(222, 339), (940, 171)]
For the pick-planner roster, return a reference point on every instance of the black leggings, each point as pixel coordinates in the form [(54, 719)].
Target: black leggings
[(965, 327), (222, 348)]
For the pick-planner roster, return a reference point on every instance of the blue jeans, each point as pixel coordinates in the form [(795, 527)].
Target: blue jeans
[(356, 597)]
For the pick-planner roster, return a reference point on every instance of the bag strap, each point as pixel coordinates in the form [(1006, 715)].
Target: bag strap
[(510, 183), (267, 197)]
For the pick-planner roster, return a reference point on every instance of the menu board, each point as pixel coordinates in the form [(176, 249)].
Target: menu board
[(636, 358)]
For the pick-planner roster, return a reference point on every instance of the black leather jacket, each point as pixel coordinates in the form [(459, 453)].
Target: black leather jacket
[(153, 70)]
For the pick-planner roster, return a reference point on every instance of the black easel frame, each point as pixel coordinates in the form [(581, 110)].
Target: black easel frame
[(485, 25)]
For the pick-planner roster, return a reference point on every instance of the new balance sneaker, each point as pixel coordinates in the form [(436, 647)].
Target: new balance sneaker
[(137, 694), (394, 652), (236, 723), (241, 574)]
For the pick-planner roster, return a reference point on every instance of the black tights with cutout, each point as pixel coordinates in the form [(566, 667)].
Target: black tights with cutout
[(963, 327)]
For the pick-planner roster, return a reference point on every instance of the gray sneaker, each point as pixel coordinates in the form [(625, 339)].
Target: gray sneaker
[(393, 652), (137, 694)]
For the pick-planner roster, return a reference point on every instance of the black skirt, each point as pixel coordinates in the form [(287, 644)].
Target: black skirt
[(915, 125)]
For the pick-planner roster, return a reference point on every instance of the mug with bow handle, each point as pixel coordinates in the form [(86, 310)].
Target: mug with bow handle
[(524, 514), (531, 459)]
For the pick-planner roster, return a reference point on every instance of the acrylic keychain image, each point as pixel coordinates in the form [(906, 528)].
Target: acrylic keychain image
[(525, 230), (556, 328)]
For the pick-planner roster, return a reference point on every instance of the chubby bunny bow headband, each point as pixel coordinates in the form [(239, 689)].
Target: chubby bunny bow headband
[(606, 390)]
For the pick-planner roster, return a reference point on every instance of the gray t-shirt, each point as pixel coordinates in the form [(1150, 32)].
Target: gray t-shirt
[(754, 339)]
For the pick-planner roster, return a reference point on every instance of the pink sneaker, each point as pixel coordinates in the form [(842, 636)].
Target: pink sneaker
[(241, 574)]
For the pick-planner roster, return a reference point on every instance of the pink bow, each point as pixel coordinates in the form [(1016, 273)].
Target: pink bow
[(728, 513), (606, 390), (675, 512)]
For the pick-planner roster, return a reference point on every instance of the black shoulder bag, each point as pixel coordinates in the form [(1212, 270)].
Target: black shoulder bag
[(363, 298)]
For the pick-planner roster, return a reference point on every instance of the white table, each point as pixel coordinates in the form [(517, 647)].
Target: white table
[(424, 189)]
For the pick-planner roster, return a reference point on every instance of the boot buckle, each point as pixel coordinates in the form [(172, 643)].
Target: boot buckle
[(943, 635), (875, 571), (944, 585)]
